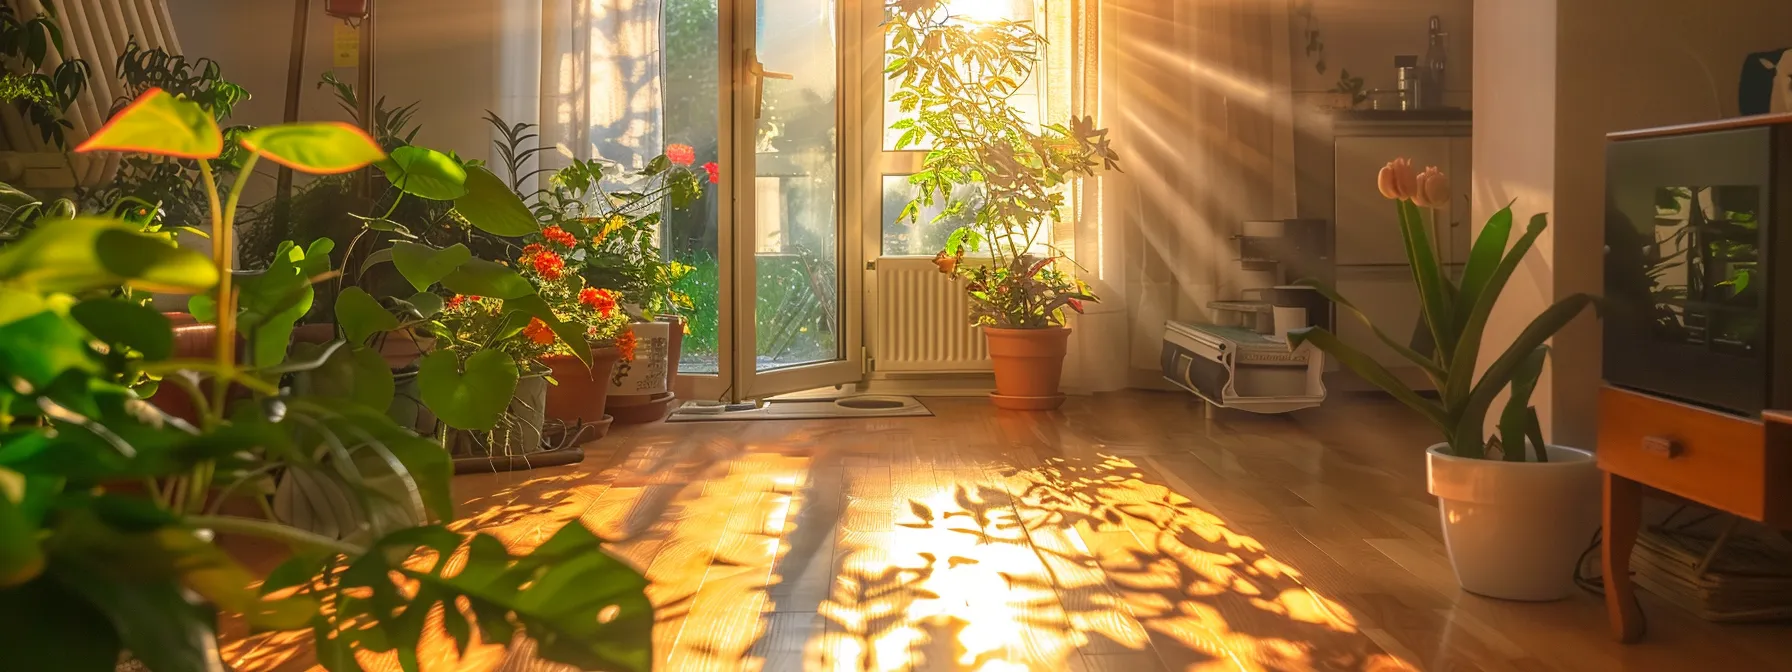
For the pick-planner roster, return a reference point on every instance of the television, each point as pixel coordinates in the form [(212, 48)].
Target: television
[(1698, 264)]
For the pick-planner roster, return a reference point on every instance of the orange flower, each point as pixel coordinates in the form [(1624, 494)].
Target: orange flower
[(600, 300), (456, 301), (538, 332), (682, 155), (559, 236), (625, 344), (1433, 189), (1397, 181), (715, 172), (947, 263), (546, 262)]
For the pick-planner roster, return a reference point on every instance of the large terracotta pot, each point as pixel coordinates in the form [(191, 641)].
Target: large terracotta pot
[(1029, 363), (580, 393), (191, 341)]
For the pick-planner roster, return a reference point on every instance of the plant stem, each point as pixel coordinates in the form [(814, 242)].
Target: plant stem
[(290, 536), (225, 333)]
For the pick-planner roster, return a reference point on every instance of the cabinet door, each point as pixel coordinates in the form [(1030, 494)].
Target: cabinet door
[(1386, 294), (1460, 224), (1368, 228)]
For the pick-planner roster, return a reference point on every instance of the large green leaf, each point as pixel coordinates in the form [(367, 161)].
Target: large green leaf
[(273, 301), (153, 618), (492, 207), (1483, 259), (322, 148), (1432, 370), (478, 277), (356, 373), (118, 322), (426, 173), (571, 333), (87, 253), (360, 315), (49, 627), (1515, 421), (158, 123), (21, 558), (1435, 294), (40, 348), (1371, 371), (424, 266), (1474, 329), (471, 399), (1499, 374)]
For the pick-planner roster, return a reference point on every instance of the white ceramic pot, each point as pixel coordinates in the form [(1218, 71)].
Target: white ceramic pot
[(646, 373), (1515, 529)]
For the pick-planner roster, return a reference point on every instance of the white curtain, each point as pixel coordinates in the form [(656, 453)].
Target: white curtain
[(1196, 96), (95, 30), (587, 71)]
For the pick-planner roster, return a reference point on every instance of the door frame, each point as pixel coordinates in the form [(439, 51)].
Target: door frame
[(738, 377)]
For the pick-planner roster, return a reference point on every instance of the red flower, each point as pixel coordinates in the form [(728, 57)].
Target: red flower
[(715, 172), (559, 236), (546, 262), (682, 155), (600, 300), (1075, 305), (538, 332), (625, 344), (456, 301)]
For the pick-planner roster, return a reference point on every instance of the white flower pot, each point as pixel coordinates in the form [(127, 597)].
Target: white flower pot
[(1515, 529), (646, 373)]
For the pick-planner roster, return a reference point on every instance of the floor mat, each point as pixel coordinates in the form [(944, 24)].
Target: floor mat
[(858, 406)]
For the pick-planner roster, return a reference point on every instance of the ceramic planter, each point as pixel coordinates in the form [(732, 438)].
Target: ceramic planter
[(1029, 363), (580, 393), (639, 391), (674, 348), (1515, 529)]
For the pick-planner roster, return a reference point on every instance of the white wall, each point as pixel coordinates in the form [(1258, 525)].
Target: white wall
[(1552, 79), (441, 52)]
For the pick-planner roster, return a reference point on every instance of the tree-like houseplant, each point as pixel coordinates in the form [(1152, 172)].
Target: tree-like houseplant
[(110, 511), (1516, 511), (955, 81)]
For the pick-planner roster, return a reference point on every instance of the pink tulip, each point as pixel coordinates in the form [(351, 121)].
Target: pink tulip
[(1433, 189), (1397, 181)]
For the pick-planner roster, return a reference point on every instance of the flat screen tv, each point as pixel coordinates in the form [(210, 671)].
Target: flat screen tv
[(1698, 264)]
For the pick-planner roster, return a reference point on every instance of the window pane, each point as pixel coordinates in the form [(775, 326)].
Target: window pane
[(690, 91), (1026, 100), (927, 235)]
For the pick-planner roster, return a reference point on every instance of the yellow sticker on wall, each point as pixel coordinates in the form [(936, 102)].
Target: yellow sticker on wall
[(347, 40)]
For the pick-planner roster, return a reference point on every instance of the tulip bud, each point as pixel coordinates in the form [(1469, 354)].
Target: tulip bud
[(1433, 189), (1397, 181)]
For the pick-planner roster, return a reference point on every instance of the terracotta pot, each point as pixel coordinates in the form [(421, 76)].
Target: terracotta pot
[(404, 349), (179, 319), (317, 332), (1029, 364), (191, 341), (580, 393)]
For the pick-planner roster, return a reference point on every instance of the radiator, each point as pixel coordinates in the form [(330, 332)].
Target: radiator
[(919, 320)]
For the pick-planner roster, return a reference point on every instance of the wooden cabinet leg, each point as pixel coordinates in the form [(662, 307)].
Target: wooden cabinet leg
[(1623, 517)]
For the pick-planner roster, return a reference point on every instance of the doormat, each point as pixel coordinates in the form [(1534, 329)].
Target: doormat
[(859, 406)]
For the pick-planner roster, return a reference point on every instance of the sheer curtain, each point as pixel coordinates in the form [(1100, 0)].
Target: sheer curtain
[(1195, 94), (587, 71)]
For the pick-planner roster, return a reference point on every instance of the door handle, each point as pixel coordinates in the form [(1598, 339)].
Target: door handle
[(759, 74)]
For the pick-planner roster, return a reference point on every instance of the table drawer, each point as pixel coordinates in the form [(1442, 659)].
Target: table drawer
[(1714, 458)]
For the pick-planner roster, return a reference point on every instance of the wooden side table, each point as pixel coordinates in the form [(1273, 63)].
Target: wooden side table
[(1728, 462)]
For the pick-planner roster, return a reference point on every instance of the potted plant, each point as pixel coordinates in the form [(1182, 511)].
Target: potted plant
[(579, 390), (956, 78), (112, 540), (1516, 512)]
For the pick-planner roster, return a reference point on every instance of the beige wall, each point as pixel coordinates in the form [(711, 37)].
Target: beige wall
[(1552, 79), (1365, 36)]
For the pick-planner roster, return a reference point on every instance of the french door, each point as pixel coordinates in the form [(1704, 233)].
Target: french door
[(786, 240)]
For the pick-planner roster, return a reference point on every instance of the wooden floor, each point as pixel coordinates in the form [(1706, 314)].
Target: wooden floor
[(1125, 532)]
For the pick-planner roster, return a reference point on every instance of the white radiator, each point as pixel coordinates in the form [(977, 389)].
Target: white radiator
[(920, 320)]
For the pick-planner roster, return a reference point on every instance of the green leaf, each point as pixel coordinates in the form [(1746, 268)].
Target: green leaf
[(429, 467), (152, 617), (1515, 421), (360, 315), (1432, 370), (1501, 371), (320, 148), (88, 253), (425, 173), (1371, 371), (203, 307), (471, 399), (1483, 259), (373, 384), (158, 123), (42, 347), (1428, 274), (49, 627), (427, 304), (273, 301), (21, 559), (424, 266), (1467, 357), (492, 207), (118, 322), (478, 277)]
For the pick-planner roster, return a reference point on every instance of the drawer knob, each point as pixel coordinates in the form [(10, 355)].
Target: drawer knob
[(1661, 445)]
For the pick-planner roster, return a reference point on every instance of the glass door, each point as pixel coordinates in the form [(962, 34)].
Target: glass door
[(792, 321)]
